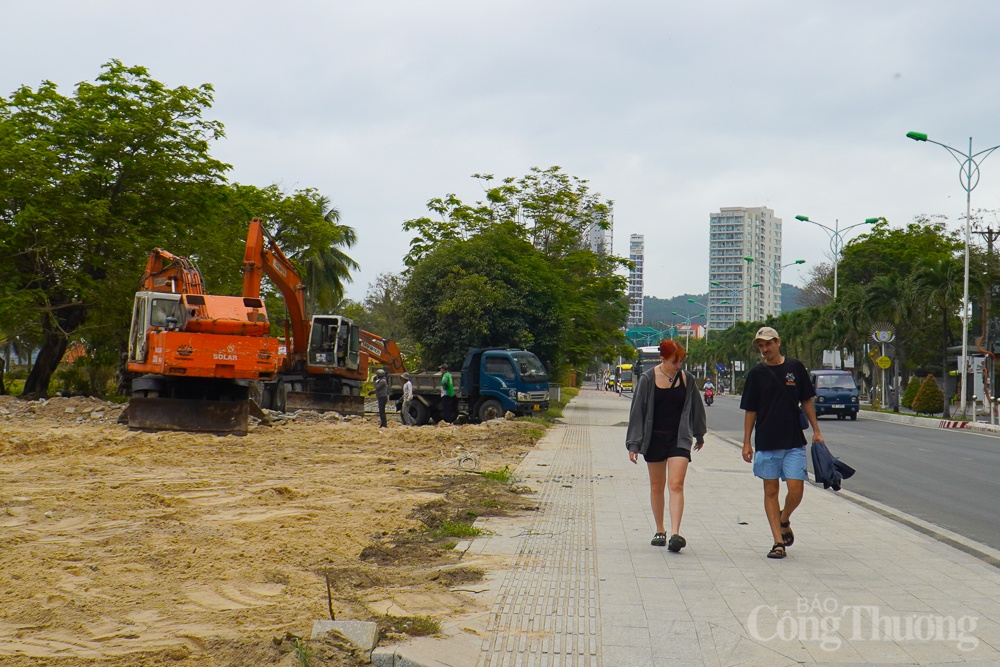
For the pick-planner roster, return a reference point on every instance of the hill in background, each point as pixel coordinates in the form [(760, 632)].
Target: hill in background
[(658, 310)]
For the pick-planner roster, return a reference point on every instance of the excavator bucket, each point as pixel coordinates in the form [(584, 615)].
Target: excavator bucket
[(345, 405), (180, 414)]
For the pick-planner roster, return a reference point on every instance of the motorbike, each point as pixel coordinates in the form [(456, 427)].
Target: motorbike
[(709, 396)]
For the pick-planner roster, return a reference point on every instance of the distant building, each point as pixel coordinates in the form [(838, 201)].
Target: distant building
[(602, 241), (636, 249), (736, 233)]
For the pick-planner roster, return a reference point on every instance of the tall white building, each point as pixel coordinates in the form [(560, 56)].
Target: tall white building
[(602, 241), (636, 249), (740, 290)]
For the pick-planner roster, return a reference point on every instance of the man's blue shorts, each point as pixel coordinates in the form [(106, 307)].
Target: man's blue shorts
[(782, 464)]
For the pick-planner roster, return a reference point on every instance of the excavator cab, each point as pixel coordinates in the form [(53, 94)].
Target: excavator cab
[(159, 311), (334, 343)]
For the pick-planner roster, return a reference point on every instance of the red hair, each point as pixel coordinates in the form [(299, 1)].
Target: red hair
[(671, 349)]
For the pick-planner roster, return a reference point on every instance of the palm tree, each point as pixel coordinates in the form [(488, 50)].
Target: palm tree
[(327, 267), (938, 288), (892, 298)]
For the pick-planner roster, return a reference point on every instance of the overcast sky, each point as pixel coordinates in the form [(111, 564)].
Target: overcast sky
[(671, 109)]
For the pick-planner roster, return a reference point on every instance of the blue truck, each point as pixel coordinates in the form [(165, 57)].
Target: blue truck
[(836, 393), (492, 382)]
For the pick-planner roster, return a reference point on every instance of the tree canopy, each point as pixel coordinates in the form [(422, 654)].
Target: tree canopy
[(91, 182), (488, 291), (539, 285)]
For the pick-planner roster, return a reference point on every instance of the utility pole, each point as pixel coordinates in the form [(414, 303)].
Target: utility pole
[(991, 235)]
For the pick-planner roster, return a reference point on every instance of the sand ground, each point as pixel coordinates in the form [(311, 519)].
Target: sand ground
[(129, 548)]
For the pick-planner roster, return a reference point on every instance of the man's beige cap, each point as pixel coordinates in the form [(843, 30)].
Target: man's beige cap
[(766, 333)]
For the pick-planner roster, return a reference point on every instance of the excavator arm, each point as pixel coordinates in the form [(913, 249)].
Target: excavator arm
[(263, 257), (382, 351), (166, 272)]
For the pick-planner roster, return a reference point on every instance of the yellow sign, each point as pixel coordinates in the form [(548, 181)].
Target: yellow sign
[(883, 362)]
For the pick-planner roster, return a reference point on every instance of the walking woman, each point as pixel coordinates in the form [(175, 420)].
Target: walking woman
[(667, 418)]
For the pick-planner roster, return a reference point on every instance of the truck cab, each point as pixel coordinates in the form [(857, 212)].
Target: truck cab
[(497, 381), (836, 393)]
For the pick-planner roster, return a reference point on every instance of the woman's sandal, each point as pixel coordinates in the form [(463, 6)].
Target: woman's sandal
[(777, 551), (676, 543), (787, 536), (659, 540)]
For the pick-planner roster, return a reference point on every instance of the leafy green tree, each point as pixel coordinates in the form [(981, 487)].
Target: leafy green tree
[(553, 214), (489, 290), (553, 210), (90, 183), (886, 250)]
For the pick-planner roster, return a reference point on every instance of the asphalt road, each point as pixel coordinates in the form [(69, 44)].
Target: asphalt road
[(948, 477)]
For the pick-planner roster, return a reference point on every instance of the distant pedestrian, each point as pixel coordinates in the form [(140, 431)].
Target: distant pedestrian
[(449, 402), (667, 418), (381, 395), (772, 393), (407, 400)]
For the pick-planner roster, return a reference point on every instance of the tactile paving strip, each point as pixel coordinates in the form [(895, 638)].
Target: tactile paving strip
[(546, 613)]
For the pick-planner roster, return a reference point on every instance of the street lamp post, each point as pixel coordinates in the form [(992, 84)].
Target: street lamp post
[(968, 177), (775, 271), (687, 323), (734, 292), (707, 311), (836, 235)]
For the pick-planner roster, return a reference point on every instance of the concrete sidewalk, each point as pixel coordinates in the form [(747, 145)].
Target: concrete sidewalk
[(577, 583)]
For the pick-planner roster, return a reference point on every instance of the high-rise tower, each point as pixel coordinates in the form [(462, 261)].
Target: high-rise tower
[(636, 249), (741, 290)]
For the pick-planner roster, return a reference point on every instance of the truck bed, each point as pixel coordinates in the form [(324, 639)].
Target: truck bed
[(423, 383)]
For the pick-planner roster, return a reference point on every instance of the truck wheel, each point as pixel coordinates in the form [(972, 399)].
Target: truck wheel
[(267, 396), (854, 416), (419, 413), (490, 409), (280, 396)]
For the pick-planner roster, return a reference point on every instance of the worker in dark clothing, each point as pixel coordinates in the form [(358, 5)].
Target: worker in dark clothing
[(381, 395)]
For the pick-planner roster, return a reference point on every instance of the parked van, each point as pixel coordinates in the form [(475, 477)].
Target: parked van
[(836, 393)]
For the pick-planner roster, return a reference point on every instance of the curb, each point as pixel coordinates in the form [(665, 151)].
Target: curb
[(930, 422)]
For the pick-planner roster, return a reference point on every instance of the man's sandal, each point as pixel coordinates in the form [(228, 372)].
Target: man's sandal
[(777, 551), (787, 536), (659, 540)]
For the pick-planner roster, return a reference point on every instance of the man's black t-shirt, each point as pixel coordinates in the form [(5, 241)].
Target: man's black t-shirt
[(774, 393)]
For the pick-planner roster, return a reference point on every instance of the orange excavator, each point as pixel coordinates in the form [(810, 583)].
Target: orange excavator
[(194, 356), (206, 363), (324, 365)]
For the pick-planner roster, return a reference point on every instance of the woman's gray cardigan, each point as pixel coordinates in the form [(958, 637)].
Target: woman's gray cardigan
[(640, 416)]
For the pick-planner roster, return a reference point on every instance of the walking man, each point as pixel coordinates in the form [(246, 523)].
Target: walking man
[(771, 396), (407, 399)]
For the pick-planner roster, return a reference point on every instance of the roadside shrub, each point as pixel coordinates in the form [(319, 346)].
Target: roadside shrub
[(929, 399), (910, 393)]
